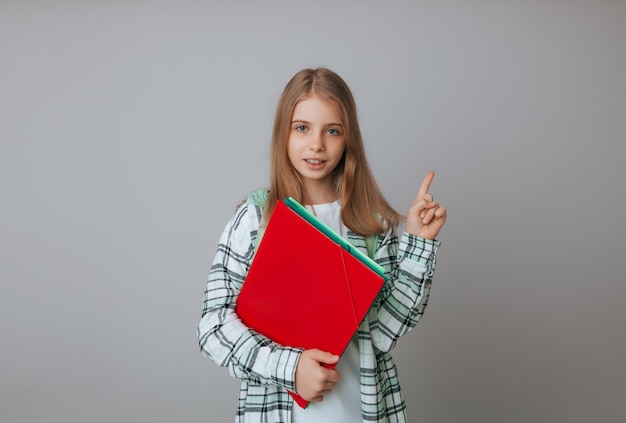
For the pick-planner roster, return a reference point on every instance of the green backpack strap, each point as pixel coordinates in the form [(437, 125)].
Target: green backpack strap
[(370, 243), (258, 198)]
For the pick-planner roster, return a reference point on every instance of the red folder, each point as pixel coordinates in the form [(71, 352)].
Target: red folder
[(307, 287)]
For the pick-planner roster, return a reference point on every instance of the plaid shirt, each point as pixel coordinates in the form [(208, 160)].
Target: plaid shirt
[(267, 370)]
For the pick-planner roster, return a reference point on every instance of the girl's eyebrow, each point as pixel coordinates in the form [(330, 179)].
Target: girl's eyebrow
[(309, 123)]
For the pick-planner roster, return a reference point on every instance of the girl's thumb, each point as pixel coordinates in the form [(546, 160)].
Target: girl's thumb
[(323, 356)]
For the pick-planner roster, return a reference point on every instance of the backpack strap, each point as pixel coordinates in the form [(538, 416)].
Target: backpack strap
[(258, 198), (370, 243)]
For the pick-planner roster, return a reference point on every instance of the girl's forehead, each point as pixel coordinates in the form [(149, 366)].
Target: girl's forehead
[(318, 106)]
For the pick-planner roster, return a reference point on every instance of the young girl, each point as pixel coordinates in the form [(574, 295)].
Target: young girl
[(318, 158)]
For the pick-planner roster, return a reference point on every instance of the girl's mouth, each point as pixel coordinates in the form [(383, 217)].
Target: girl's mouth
[(314, 164)]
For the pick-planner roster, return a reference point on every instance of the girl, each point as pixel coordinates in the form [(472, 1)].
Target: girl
[(318, 158)]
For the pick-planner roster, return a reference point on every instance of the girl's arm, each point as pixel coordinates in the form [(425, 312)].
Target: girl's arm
[(221, 334), (410, 265)]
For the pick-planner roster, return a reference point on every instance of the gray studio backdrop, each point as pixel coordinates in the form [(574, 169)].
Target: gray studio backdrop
[(130, 130)]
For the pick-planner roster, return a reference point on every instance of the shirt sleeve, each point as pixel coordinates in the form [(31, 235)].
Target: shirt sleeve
[(221, 334), (410, 264)]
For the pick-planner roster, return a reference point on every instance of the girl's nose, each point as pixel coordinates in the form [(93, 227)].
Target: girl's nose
[(317, 142)]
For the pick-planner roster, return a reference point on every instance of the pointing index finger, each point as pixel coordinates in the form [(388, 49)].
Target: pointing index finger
[(425, 185)]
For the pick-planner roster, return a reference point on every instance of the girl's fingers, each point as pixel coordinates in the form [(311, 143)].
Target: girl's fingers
[(424, 186), (427, 207), (429, 213), (441, 212)]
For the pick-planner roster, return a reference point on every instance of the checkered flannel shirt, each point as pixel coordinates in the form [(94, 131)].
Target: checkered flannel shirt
[(267, 370)]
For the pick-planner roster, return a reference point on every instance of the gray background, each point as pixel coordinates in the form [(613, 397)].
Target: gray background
[(121, 124)]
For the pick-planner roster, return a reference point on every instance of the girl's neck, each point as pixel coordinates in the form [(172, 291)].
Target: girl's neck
[(319, 194)]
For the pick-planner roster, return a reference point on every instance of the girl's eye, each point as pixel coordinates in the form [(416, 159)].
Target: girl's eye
[(301, 128), (332, 131)]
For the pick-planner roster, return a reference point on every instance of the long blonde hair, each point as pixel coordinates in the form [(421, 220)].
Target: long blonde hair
[(364, 209)]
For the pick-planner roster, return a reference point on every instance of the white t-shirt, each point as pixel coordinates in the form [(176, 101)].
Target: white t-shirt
[(343, 403)]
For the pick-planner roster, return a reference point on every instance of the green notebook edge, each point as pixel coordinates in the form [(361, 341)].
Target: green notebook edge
[(334, 236)]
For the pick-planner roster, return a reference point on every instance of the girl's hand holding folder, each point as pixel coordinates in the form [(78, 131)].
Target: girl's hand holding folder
[(313, 379)]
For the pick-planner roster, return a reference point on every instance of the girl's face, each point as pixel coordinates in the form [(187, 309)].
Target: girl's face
[(316, 144)]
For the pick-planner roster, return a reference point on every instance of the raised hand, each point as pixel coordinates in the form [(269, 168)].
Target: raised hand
[(313, 380), (425, 217)]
